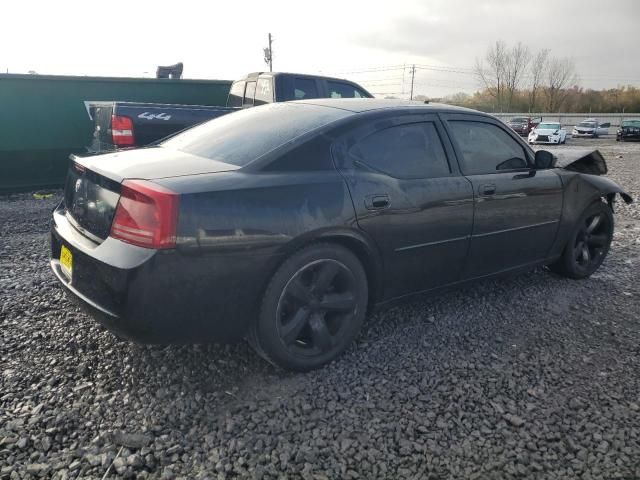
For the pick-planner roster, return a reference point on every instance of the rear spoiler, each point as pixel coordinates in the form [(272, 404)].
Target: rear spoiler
[(582, 160)]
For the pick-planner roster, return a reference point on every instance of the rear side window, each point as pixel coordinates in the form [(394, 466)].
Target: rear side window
[(404, 151), (304, 88), (235, 94), (264, 93), (249, 94), (486, 148), (344, 90)]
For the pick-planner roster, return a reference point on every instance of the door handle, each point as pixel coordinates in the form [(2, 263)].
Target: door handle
[(487, 190), (376, 202)]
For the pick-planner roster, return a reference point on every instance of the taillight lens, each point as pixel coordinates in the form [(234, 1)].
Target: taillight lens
[(146, 215), (122, 131)]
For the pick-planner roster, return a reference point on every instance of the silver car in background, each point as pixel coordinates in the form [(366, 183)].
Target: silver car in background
[(590, 127)]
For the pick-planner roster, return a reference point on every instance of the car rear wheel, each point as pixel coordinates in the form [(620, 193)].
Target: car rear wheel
[(312, 309), (589, 243)]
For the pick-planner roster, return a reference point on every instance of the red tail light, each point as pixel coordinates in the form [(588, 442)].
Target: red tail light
[(122, 131), (146, 215)]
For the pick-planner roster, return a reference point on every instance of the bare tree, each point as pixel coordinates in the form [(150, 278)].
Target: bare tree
[(537, 72), (518, 59), (493, 75), (504, 71), (560, 74)]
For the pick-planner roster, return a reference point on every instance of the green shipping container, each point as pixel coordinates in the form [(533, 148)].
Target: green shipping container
[(43, 118)]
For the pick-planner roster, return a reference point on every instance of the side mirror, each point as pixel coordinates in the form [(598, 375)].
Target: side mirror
[(544, 160)]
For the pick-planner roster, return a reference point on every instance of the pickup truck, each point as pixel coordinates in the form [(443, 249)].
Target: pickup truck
[(129, 124)]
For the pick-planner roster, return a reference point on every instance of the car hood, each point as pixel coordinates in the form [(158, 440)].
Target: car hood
[(586, 129), (581, 160), (544, 131), (151, 163)]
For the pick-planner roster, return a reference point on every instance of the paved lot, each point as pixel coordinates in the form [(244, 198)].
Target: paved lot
[(533, 376)]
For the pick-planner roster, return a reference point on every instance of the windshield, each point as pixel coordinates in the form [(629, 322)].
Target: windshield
[(587, 124), (519, 120), (631, 123), (241, 137), (548, 126)]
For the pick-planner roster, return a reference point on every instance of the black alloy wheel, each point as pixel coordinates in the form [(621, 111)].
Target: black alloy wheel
[(592, 241), (313, 308), (589, 243)]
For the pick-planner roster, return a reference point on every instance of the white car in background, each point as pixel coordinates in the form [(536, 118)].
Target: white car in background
[(548, 132), (590, 127)]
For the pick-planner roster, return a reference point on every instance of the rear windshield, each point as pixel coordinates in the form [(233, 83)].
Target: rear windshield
[(548, 126), (519, 120), (241, 137), (235, 94)]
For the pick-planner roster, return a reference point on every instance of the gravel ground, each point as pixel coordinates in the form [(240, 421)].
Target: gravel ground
[(533, 376)]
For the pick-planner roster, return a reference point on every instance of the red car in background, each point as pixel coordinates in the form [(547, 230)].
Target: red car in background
[(523, 125)]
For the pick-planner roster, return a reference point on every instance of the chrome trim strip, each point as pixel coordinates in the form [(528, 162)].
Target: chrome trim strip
[(428, 244), (542, 224)]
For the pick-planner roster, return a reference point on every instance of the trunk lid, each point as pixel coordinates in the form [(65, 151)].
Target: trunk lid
[(90, 201), (92, 189), (151, 163)]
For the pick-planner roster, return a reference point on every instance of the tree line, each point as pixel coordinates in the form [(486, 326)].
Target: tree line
[(516, 79)]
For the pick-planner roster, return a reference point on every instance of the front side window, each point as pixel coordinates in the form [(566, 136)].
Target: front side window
[(235, 94), (404, 151), (249, 94), (264, 93), (486, 148), (305, 88), (344, 90)]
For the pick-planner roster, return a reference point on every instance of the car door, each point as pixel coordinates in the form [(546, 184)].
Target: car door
[(517, 209), (603, 128), (410, 198)]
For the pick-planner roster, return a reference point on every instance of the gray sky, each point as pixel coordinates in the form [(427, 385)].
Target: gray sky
[(367, 41)]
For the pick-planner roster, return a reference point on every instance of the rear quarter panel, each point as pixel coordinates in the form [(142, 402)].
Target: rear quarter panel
[(236, 228)]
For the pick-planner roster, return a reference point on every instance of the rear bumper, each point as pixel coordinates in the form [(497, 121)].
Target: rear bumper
[(160, 296)]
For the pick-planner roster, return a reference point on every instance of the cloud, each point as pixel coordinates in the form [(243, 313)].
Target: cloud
[(457, 32)]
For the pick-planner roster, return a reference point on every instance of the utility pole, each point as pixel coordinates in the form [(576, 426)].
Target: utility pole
[(413, 74), (268, 55)]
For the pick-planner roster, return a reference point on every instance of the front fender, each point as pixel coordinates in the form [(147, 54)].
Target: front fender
[(580, 191), (605, 187)]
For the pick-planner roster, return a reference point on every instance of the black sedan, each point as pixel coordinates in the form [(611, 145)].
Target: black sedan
[(285, 223), (629, 130)]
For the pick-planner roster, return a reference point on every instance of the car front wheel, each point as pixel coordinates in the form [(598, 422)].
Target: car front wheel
[(312, 309), (589, 243)]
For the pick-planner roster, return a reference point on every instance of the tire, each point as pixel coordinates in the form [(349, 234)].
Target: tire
[(588, 244), (312, 309)]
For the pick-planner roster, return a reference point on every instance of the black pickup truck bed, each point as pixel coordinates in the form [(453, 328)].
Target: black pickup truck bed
[(130, 124)]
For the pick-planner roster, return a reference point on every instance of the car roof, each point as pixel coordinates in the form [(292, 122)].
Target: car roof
[(255, 75), (360, 105)]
